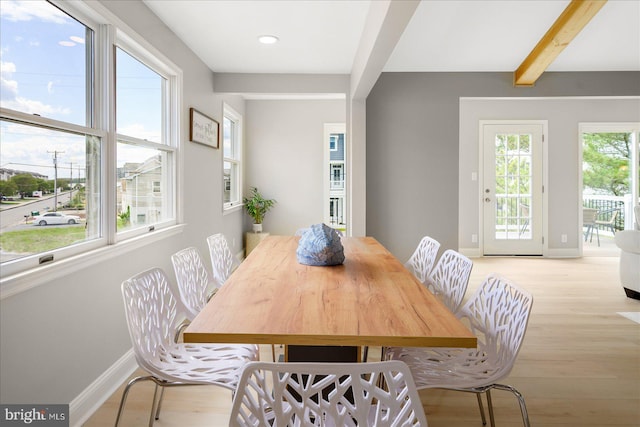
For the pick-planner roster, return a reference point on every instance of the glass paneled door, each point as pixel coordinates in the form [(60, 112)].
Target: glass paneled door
[(335, 176), (512, 189)]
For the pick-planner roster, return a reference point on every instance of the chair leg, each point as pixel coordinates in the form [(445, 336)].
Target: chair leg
[(523, 405), (125, 393), (159, 403), (484, 420), (490, 405), (154, 406)]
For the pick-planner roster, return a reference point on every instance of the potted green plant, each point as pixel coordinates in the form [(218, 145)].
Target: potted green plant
[(257, 207)]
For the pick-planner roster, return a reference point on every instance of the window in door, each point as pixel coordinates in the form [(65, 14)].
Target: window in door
[(335, 176)]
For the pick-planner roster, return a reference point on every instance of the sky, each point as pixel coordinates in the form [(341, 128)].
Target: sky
[(42, 71)]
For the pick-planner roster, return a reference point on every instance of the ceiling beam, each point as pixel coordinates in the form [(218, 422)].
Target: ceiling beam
[(572, 20)]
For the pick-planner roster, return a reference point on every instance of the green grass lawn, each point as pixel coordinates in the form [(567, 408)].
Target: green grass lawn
[(41, 239)]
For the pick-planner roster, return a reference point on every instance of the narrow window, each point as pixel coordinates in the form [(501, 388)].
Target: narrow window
[(232, 157), (144, 186)]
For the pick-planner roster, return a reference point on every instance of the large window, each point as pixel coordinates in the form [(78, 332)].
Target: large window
[(61, 151), (144, 154), (232, 162)]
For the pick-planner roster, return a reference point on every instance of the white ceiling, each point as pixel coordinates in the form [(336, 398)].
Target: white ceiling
[(322, 36)]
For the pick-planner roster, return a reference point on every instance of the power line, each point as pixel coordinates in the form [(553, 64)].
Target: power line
[(55, 177)]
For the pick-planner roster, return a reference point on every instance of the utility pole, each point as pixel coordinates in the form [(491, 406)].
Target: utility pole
[(70, 183), (55, 178)]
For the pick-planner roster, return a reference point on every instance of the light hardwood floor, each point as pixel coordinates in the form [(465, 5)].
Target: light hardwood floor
[(579, 365)]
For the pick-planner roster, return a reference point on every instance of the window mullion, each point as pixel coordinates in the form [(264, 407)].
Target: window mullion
[(106, 103)]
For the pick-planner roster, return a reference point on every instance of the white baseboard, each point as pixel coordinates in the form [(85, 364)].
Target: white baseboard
[(550, 253), (563, 253), (83, 406)]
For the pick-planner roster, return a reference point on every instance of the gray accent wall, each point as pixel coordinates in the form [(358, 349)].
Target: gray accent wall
[(413, 146)]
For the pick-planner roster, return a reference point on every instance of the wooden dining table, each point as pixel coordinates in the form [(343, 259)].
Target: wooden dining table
[(369, 300)]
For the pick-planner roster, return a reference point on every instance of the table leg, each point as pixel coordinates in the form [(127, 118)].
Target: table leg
[(322, 353)]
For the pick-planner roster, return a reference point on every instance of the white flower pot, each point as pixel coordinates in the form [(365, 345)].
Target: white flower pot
[(257, 228)]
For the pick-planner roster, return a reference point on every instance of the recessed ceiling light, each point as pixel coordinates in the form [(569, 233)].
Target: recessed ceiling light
[(267, 39)]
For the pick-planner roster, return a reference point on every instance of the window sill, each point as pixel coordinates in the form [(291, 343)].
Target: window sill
[(231, 209), (20, 282)]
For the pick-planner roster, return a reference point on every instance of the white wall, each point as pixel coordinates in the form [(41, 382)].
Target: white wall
[(564, 163), (284, 158)]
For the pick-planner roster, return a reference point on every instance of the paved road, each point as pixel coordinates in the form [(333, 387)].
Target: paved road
[(14, 215)]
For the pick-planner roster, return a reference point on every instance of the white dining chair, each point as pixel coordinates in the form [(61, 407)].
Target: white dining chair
[(223, 262), (194, 284), (497, 314), (423, 258), (327, 394), (153, 316), (420, 265), (449, 279)]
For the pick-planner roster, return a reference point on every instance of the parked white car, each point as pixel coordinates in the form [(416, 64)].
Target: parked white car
[(53, 218)]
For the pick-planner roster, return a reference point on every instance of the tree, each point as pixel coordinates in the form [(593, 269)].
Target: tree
[(606, 159), (44, 185), (64, 183), (8, 188), (26, 184)]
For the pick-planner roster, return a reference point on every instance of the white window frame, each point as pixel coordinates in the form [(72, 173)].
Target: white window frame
[(109, 31), (329, 191), (170, 140), (632, 128), (234, 116), (333, 144)]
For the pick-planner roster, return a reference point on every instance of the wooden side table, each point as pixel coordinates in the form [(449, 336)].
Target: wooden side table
[(251, 240)]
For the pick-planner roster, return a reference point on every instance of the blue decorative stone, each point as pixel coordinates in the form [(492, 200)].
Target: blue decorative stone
[(320, 245)]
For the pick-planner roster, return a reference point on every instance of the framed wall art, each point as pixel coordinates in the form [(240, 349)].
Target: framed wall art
[(203, 129)]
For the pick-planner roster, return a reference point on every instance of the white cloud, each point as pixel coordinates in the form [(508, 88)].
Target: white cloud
[(7, 67), (10, 98), (8, 87), (138, 130), (28, 145), (77, 39), (30, 106), (66, 43), (24, 10)]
